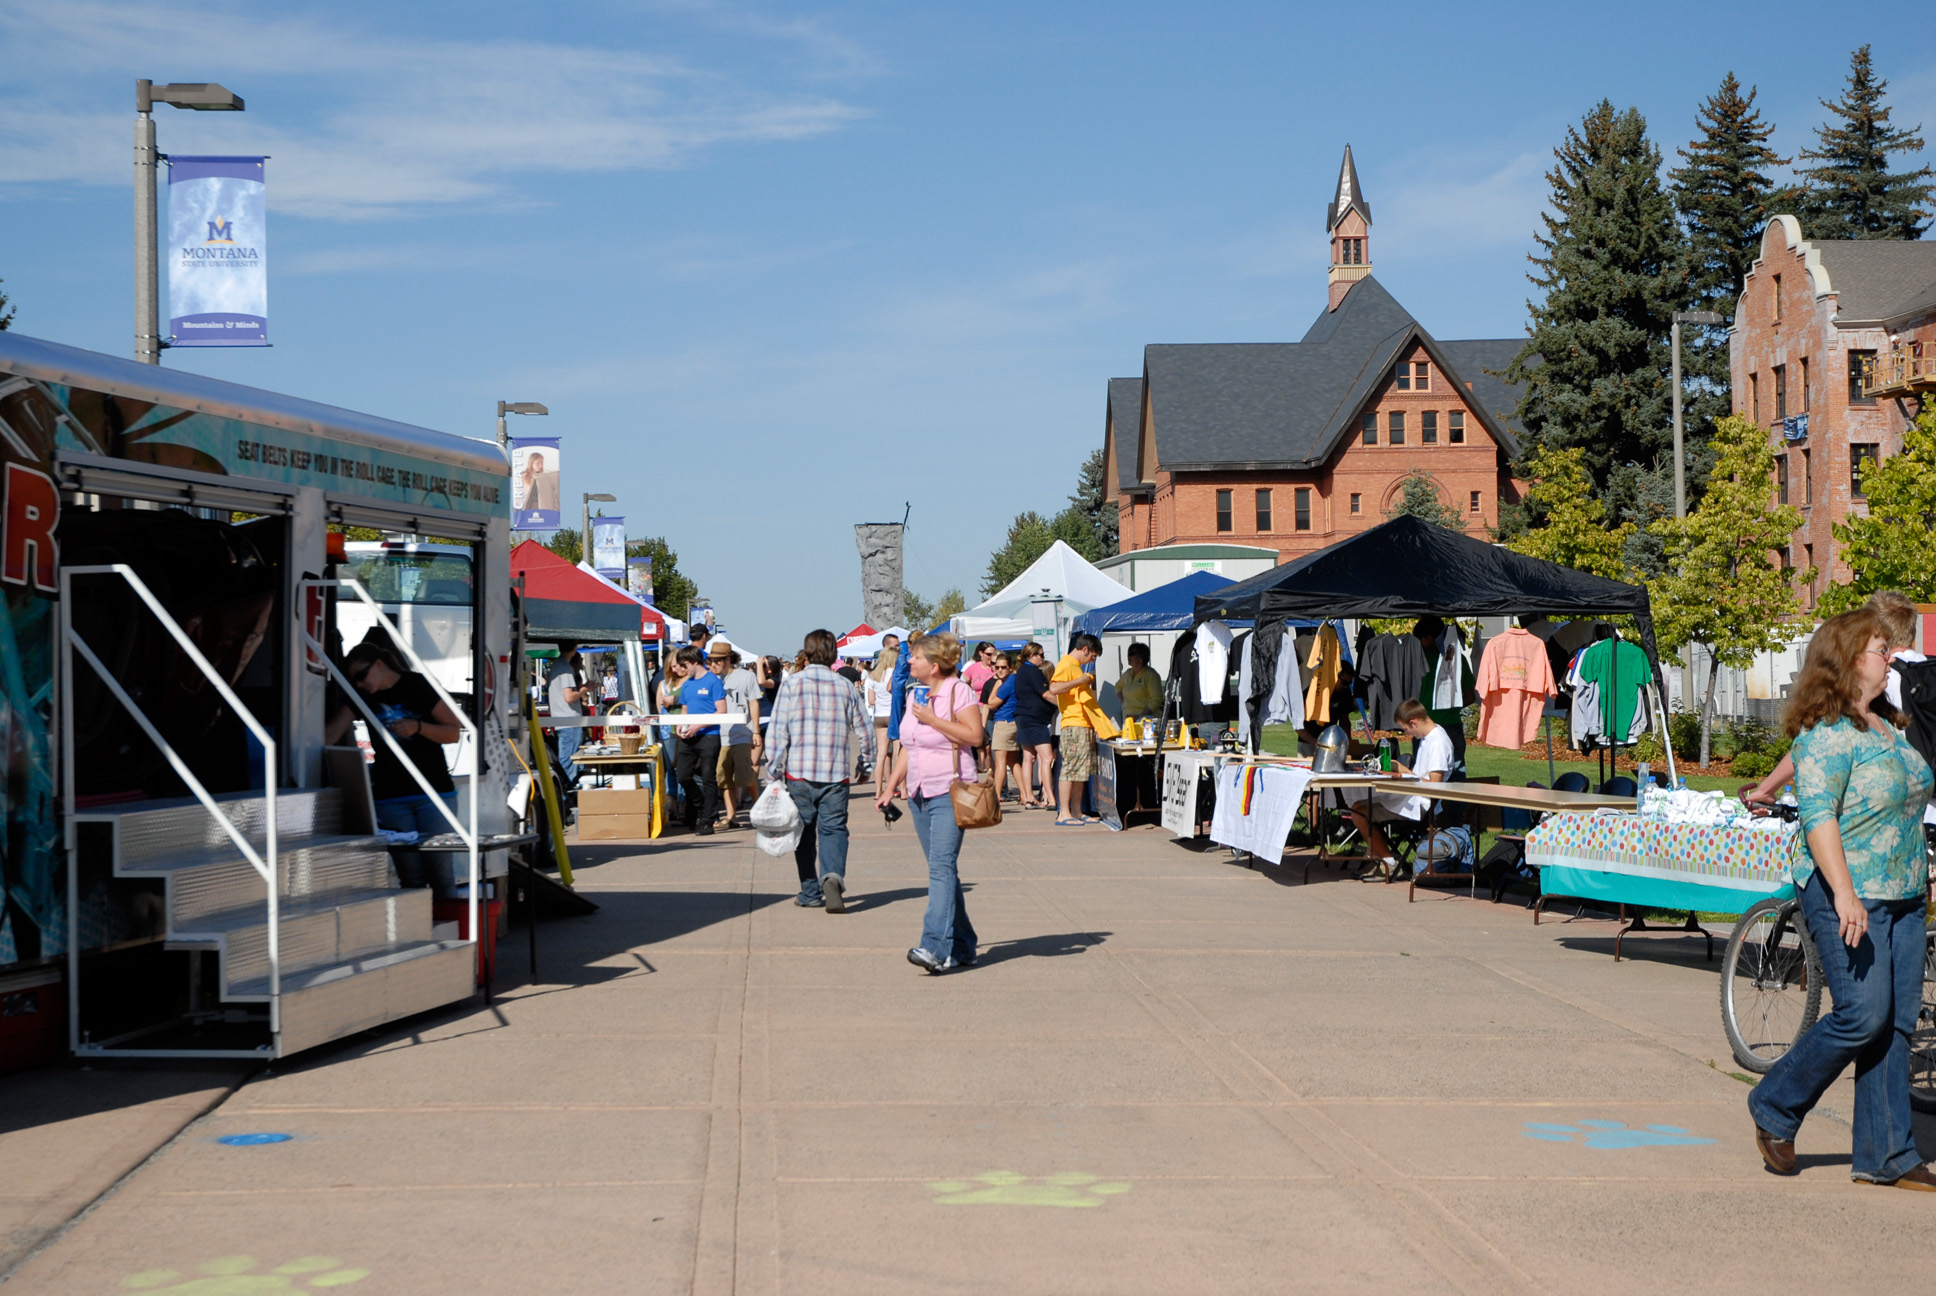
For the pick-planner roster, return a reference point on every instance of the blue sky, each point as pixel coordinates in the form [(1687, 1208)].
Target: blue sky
[(777, 270)]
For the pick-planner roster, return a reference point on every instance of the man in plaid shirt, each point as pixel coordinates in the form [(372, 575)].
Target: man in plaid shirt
[(816, 717)]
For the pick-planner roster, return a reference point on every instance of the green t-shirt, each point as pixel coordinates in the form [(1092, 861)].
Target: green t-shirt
[(1621, 672)]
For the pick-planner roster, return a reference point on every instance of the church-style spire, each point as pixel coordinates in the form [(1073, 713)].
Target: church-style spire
[(1348, 221)]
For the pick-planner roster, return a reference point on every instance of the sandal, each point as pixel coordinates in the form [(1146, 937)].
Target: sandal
[(1068, 823)]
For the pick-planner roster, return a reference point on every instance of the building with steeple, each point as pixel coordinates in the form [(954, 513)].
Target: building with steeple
[(1298, 445)]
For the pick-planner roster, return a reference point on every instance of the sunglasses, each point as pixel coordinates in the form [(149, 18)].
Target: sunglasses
[(363, 673)]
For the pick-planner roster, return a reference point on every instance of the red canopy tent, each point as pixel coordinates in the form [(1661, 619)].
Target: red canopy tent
[(564, 604), (857, 632)]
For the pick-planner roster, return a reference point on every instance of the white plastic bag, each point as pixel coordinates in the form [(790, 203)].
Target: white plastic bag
[(775, 812), (778, 843)]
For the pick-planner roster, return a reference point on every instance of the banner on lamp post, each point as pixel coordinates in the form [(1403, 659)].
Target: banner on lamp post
[(638, 576), (534, 484), (608, 547), (218, 277)]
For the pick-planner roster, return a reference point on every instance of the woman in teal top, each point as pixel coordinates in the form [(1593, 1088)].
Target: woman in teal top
[(1863, 884)]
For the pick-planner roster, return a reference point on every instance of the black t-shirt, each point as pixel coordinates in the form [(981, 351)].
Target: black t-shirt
[(410, 698), (1030, 685), (849, 673)]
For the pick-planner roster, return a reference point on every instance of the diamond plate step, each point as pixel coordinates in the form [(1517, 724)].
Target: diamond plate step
[(216, 881), (338, 999), (314, 932), (153, 833)]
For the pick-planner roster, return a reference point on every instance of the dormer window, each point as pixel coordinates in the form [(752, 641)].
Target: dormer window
[(1402, 376), (1421, 377)]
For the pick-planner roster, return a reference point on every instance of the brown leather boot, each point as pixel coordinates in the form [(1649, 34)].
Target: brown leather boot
[(1917, 1180), (1779, 1153)]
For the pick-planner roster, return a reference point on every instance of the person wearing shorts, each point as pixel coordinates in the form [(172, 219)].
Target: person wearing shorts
[(1074, 690), (1004, 749), (1033, 713)]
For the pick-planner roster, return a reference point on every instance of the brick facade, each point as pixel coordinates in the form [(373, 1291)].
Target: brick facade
[(1794, 342)]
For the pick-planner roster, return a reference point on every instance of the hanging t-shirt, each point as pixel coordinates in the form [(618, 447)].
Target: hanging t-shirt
[(1619, 670), (1515, 679), (1213, 661), (1323, 662)]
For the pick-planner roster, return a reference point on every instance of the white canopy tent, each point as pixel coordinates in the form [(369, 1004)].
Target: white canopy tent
[(1060, 574)]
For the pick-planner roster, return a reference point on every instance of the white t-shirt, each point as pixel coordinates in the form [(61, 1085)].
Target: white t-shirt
[(1892, 685), (1434, 756), (742, 690), (563, 680)]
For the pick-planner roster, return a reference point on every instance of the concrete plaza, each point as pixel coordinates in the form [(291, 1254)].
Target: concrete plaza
[(1169, 1074)]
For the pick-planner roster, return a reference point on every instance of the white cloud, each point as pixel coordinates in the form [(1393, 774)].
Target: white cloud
[(1442, 212), (397, 122)]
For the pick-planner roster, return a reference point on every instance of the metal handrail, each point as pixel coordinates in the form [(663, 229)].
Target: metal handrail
[(266, 867), (377, 727)]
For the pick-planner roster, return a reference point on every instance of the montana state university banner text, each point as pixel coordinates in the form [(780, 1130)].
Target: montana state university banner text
[(218, 252)]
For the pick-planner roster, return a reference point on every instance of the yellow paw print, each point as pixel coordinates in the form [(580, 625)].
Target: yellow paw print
[(239, 1276), (1072, 1189)]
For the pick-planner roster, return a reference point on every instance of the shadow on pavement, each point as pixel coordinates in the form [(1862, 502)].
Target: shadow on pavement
[(1042, 946)]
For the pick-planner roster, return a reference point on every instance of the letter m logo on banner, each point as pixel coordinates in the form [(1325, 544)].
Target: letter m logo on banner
[(32, 507)]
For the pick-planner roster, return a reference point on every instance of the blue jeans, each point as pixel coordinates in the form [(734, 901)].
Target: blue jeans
[(823, 832), (946, 930), (417, 814), (1878, 990), (568, 740)]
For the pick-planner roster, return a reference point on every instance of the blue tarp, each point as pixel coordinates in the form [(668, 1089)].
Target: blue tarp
[(1167, 607)]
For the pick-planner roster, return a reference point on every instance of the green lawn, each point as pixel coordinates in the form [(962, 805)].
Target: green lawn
[(1512, 768)]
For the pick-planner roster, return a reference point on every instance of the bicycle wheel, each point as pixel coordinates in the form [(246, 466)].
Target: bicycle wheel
[(1771, 984), (1922, 1045)]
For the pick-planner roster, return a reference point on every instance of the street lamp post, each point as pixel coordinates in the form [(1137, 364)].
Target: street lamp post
[(585, 536), (201, 96), (1680, 455), (514, 407)]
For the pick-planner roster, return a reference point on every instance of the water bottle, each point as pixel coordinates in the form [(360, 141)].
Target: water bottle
[(1646, 781)]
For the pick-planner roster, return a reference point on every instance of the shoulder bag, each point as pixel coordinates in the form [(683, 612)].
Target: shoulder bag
[(976, 803)]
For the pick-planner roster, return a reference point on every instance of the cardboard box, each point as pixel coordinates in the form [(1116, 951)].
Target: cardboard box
[(614, 827), (609, 814)]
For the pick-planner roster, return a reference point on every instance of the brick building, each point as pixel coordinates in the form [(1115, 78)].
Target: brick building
[(1812, 315), (1299, 445)]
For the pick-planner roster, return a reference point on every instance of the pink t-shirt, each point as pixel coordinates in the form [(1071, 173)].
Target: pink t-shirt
[(978, 673), (934, 762)]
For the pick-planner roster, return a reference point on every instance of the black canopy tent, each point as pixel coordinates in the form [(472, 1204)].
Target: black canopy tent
[(1410, 568)]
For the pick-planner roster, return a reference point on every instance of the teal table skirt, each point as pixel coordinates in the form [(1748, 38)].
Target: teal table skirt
[(1652, 892)]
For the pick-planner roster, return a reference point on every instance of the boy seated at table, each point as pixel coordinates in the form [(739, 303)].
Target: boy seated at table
[(1432, 762)]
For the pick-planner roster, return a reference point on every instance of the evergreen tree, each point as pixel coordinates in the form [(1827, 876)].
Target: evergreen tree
[(1029, 538), (1595, 371), (1723, 192), (1419, 497), (6, 314), (1888, 546), (1851, 193), (1572, 527), (1097, 503), (1722, 587)]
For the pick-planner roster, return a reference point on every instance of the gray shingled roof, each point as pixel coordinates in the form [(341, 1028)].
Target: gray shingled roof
[(1480, 362), (1877, 279), (1287, 405), (1126, 415)]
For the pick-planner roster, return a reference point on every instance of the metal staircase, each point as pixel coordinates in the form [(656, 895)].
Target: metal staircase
[(304, 919), (354, 950)]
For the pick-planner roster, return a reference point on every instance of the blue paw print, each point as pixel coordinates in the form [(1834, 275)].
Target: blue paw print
[(1613, 1134)]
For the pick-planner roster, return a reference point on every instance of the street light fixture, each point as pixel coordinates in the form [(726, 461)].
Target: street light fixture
[(199, 96), (514, 407), (585, 536), (1710, 319)]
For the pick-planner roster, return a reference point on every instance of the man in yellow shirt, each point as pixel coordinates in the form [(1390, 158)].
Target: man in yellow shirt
[(1073, 689)]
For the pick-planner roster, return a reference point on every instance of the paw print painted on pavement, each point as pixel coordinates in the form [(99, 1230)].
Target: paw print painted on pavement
[(1613, 1135), (240, 1276), (1006, 1188)]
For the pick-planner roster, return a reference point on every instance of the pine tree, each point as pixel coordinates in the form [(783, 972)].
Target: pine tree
[(1572, 527), (1419, 496), (1888, 546), (1723, 192), (1095, 501), (6, 314), (1851, 194), (1722, 587), (1595, 372)]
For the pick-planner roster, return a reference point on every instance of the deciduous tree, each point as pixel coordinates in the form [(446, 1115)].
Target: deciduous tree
[(1570, 524), (1889, 546), (1723, 588)]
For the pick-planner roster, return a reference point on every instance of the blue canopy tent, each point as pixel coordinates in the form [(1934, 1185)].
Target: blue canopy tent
[(1167, 607)]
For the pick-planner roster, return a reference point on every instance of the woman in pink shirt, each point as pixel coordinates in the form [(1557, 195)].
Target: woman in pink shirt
[(939, 731)]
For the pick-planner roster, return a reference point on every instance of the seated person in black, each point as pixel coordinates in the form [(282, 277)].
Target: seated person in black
[(420, 722)]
